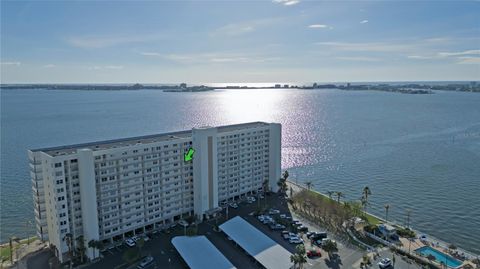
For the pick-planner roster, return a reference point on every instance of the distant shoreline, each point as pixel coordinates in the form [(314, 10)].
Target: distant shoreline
[(407, 88)]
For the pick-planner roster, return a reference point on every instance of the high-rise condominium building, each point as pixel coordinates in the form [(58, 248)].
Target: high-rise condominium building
[(108, 190)]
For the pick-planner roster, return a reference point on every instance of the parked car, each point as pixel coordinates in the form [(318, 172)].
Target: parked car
[(267, 221), (273, 211), (233, 205), (287, 235), (261, 218), (314, 253), (146, 262), (276, 226), (135, 238), (317, 235), (302, 228), (295, 240), (129, 242), (183, 223), (296, 222), (282, 216), (385, 263), (146, 238), (322, 242)]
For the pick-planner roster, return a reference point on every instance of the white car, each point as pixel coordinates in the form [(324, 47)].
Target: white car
[(273, 211), (183, 223), (135, 238), (129, 242), (283, 216), (385, 263), (146, 262), (295, 240), (233, 205), (146, 238)]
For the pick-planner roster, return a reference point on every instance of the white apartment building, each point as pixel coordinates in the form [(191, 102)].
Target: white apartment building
[(112, 189)]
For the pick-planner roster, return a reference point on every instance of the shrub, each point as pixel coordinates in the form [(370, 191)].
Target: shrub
[(405, 233)]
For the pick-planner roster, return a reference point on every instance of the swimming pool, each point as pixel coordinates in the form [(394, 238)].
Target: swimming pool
[(439, 256)]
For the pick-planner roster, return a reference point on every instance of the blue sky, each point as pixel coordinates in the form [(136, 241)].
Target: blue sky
[(238, 41)]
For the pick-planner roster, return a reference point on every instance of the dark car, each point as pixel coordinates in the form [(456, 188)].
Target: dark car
[(302, 228), (318, 236)]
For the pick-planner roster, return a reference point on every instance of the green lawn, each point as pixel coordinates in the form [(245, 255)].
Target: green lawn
[(371, 219), (5, 250), (5, 253)]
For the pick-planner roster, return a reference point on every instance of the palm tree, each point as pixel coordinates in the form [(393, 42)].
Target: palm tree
[(330, 194), (294, 260), (387, 207), (309, 184), (68, 239), (339, 195), (282, 185), (93, 245), (330, 247), (140, 244), (365, 193), (81, 247), (299, 257), (408, 213), (265, 190), (265, 185)]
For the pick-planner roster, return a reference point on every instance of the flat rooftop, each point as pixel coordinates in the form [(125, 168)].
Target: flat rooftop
[(199, 253), (266, 251), (147, 139)]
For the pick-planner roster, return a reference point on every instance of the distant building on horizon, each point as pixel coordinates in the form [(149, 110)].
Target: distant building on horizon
[(110, 190)]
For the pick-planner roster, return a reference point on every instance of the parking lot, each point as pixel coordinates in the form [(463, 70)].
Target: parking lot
[(165, 255)]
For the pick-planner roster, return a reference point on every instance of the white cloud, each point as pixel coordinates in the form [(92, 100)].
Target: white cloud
[(95, 42), (235, 29), (359, 58), (150, 54), (420, 57), (318, 26), (459, 53), (469, 60), (202, 58), (241, 28), (364, 21), (287, 2), (11, 63), (466, 56), (374, 46), (49, 66), (103, 67)]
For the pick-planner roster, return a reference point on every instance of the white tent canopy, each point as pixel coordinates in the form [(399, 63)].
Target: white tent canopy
[(266, 251), (199, 253)]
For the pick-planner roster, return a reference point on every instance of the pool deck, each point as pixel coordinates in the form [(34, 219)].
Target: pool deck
[(417, 244)]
